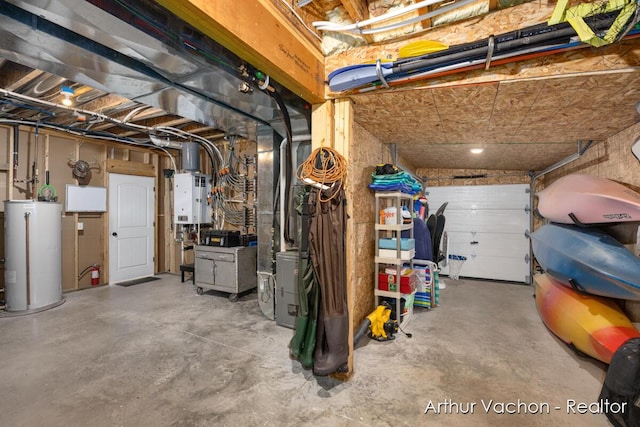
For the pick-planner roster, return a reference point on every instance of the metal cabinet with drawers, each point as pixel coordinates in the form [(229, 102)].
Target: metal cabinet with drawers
[(230, 270)]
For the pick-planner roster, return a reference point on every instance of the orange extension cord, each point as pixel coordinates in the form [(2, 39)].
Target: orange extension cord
[(333, 169)]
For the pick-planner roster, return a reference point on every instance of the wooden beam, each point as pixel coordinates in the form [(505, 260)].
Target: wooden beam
[(322, 125), (130, 168), (255, 31), (343, 141), (425, 23), (358, 11)]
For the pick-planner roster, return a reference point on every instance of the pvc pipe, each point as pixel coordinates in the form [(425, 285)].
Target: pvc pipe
[(406, 22), (332, 26)]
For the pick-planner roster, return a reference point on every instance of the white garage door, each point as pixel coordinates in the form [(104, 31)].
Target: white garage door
[(488, 225)]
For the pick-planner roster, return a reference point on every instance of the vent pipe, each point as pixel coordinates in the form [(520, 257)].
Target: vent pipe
[(190, 156)]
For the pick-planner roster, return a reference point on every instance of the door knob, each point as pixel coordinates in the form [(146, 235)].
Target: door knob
[(114, 234)]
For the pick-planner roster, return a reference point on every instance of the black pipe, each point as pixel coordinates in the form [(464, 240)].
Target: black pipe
[(16, 139)]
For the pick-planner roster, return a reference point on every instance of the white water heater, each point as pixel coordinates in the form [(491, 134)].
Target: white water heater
[(33, 255)]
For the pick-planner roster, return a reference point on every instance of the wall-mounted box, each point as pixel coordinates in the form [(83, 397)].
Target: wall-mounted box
[(190, 192)]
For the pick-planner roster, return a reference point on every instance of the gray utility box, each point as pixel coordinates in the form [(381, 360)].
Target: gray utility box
[(231, 270), (287, 273)]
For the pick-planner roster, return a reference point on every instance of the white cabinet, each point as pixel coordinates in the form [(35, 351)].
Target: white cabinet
[(395, 257), (487, 224)]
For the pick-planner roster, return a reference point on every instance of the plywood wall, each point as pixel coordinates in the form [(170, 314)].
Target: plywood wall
[(365, 153), (449, 177)]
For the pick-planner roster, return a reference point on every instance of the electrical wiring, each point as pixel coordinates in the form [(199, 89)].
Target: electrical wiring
[(410, 21), (299, 18), (376, 20), (173, 161), (209, 147), (325, 166)]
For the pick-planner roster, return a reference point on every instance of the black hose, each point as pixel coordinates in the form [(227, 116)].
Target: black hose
[(361, 331), (288, 171)]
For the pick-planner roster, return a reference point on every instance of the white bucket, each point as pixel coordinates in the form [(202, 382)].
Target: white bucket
[(391, 215)]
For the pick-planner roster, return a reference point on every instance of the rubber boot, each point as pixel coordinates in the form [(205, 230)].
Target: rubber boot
[(304, 339), (297, 342), (306, 358), (334, 352)]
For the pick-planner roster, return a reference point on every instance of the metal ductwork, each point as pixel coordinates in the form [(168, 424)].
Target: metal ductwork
[(141, 52)]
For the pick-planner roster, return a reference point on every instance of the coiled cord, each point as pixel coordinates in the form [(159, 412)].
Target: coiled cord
[(325, 166)]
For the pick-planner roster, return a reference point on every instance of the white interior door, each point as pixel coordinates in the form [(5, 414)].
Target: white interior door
[(131, 227), (487, 224)]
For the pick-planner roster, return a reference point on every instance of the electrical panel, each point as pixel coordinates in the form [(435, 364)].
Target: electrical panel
[(190, 195)]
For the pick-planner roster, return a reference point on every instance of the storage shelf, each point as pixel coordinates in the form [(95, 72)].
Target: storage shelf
[(398, 200), (395, 261), (393, 227)]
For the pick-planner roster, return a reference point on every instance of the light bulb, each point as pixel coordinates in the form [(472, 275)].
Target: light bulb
[(67, 92), (476, 150)]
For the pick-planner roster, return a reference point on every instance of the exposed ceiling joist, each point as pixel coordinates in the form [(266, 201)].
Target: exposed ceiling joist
[(259, 33)]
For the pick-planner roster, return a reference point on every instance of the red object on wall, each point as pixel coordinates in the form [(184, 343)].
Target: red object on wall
[(95, 275)]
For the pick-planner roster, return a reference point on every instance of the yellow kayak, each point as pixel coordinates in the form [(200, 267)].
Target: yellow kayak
[(594, 325)]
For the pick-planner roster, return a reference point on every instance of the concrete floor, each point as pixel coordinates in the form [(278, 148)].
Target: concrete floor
[(157, 354)]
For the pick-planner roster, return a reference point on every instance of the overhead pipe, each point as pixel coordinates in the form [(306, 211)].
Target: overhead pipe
[(333, 26), (150, 130)]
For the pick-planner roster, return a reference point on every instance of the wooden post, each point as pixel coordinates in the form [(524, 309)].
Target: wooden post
[(322, 125)]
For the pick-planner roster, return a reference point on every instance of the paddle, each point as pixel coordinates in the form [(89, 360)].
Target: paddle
[(354, 76)]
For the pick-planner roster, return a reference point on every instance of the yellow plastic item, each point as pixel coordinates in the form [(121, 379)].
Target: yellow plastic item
[(575, 16), (378, 318), (420, 47)]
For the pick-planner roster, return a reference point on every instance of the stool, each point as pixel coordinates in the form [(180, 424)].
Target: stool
[(188, 268)]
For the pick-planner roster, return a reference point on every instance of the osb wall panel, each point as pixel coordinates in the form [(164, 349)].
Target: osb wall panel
[(610, 159), (523, 125), (446, 177), (365, 153)]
